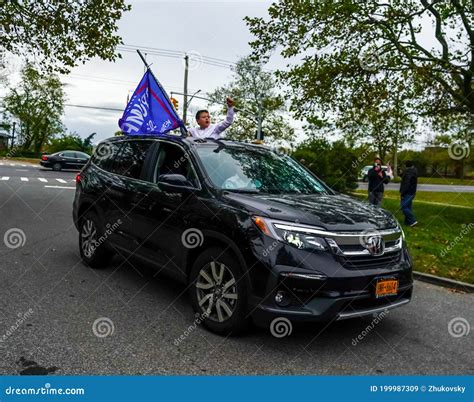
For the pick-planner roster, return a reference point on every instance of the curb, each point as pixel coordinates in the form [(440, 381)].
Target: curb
[(445, 282)]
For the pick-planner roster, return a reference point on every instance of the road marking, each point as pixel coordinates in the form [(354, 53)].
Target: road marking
[(61, 180), (42, 179), (72, 188), (5, 178), (21, 170), (22, 165), (24, 178)]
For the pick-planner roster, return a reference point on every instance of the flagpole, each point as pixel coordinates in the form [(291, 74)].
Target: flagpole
[(184, 131)]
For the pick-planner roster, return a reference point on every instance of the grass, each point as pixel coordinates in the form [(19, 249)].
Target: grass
[(442, 242), (21, 159), (432, 197), (442, 180)]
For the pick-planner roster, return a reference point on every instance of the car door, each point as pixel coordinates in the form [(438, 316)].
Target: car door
[(164, 216), (80, 159), (68, 160)]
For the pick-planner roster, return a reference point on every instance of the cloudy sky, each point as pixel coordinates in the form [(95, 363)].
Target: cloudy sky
[(209, 28)]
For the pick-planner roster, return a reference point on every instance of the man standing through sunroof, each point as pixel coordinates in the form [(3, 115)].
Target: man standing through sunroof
[(207, 130)]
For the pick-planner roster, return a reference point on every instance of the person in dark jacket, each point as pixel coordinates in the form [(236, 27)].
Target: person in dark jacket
[(408, 192), (377, 179)]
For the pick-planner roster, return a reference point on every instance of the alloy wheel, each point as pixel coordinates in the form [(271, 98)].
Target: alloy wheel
[(216, 291), (88, 238)]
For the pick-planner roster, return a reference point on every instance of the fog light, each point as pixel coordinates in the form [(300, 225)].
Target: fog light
[(283, 299)]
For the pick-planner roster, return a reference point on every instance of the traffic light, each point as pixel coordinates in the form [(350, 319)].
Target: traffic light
[(174, 101)]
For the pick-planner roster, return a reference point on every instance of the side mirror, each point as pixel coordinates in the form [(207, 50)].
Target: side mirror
[(175, 183)]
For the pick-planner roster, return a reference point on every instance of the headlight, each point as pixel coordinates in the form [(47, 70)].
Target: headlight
[(297, 236)]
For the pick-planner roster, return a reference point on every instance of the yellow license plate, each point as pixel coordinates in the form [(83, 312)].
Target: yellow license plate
[(386, 287)]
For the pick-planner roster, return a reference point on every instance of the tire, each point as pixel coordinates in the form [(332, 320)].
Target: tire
[(57, 167), (227, 315), (90, 233)]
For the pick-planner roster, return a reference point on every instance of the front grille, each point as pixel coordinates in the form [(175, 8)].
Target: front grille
[(370, 261)]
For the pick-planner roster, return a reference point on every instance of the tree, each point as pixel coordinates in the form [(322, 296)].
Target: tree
[(71, 142), (332, 162), (59, 35), (37, 104), (341, 43), (251, 86)]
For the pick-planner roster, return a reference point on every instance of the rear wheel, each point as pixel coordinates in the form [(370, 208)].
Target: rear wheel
[(92, 247), (218, 292), (57, 167)]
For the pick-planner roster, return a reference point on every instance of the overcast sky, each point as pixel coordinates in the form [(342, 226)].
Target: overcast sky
[(209, 28)]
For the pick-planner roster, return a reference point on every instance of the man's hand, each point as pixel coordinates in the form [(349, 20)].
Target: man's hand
[(230, 102)]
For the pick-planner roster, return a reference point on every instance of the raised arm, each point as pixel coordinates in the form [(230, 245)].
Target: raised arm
[(229, 118)]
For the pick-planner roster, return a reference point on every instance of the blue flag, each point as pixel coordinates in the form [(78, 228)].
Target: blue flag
[(149, 111)]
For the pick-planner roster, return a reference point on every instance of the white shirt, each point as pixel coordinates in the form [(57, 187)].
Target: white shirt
[(214, 130)]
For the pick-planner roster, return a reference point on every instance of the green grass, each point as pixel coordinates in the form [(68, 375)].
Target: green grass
[(442, 242), (442, 180), (21, 159), (445, 198)]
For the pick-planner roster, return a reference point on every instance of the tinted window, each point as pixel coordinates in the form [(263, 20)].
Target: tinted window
[(82, 155), (69, 154), (257, 170), (105, 154), (173, 160), (129, 161)]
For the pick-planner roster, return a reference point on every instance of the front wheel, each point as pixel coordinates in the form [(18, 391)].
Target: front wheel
[(57, 167), (92, 247), (218, 292)]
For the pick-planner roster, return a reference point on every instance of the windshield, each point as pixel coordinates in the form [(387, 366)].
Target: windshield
[(254, 170)]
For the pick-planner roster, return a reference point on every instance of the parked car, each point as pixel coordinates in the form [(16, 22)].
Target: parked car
[(251, 232), (65, 160), (363, 174)]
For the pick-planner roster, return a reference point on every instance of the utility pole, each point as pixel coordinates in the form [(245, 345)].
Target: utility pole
[(185, 100), (13, 133)]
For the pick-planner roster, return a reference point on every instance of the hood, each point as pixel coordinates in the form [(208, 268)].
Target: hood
[(332, 212)]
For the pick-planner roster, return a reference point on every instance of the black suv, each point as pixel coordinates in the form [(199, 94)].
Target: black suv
[(251, 232)]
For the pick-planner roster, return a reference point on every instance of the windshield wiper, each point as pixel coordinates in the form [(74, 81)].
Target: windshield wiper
[(242, 190)]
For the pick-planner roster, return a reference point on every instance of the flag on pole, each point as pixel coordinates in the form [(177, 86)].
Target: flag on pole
[(149, 111)]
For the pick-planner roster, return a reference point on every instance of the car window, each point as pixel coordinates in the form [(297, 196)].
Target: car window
[(82, 155), (257, 170), (105, 154), (129, 161), (69, 154), (172, 159)]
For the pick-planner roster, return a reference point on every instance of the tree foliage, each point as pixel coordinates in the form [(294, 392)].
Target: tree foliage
[(250, 85), (59, 35), (37, 104), (341, 46), (71, 142)]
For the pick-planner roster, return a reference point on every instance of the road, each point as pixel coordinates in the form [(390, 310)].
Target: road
[(50, 301), (426, 187)]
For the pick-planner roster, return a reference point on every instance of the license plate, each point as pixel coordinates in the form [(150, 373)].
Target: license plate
[(386, 287)]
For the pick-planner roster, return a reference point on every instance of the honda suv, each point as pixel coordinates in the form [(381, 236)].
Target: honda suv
[(252, 233)]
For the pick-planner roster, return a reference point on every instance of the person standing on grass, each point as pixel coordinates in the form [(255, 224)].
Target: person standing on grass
[(408, 192), (377, 179)]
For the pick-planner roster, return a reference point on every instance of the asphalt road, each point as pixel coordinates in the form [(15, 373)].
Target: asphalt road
[(49, 302), (426, 187)]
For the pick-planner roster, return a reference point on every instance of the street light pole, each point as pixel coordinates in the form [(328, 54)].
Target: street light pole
[(185, 100), (13, 133), (259, 119)]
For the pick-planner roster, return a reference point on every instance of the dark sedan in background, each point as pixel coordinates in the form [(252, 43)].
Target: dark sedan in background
[(65, 160)]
